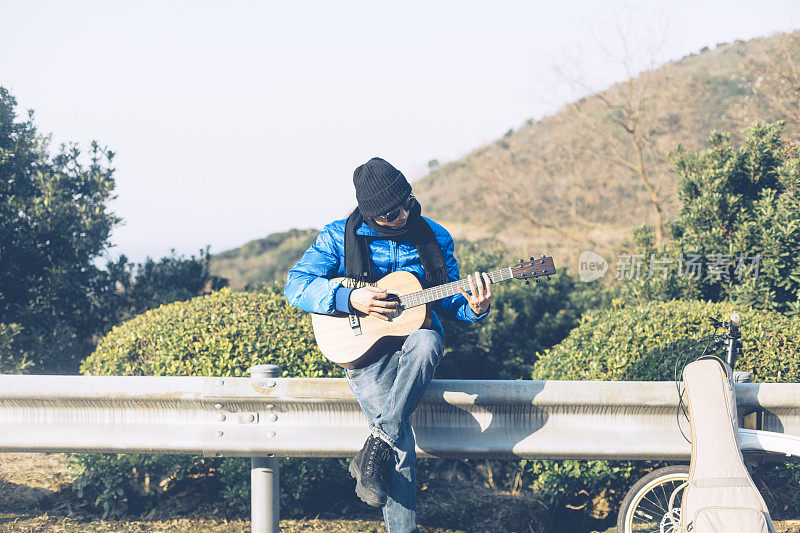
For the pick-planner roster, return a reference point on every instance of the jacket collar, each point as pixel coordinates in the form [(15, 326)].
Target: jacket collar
[(364, 229)]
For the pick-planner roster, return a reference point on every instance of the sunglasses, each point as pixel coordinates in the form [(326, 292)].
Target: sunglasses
[(394, 214)]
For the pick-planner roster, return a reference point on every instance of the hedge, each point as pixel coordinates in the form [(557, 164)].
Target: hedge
[(219, 334), (641, 343)]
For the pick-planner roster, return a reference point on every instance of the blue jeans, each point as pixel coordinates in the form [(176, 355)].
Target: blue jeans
[(388, 390)]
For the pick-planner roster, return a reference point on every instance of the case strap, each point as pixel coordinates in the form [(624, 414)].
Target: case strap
[(716, 482)]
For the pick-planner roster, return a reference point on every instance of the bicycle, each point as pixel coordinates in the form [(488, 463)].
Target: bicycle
[(652, 505)]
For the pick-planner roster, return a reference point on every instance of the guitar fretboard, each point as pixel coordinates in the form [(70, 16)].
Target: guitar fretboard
[(425, 296)]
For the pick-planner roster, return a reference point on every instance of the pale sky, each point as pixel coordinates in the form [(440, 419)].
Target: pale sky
[(233, 120)]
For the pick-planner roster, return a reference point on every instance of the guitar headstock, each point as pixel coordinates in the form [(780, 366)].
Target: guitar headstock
[(534, 268)]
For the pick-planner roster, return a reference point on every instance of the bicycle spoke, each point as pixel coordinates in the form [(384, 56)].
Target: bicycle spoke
[(666, 498), (652, 510), (656, 505)]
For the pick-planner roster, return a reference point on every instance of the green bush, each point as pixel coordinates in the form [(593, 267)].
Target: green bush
[(309, 487), (593, 487), (55, 224), (642, 343), (737, 225), (13, 358), (524, 319), (220, 334), (118, 484)]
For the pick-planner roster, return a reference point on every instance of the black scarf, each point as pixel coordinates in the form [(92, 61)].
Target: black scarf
[(357, 261)]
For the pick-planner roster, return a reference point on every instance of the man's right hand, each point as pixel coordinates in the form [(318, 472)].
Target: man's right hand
[(372, 301)]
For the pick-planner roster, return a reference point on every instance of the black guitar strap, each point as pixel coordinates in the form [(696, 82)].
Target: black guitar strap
[(357, 261)]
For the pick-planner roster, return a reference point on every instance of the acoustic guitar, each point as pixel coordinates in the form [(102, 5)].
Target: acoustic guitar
[(353, 340)]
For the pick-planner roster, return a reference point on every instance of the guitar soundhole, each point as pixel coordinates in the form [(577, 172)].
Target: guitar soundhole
[(391, 297)]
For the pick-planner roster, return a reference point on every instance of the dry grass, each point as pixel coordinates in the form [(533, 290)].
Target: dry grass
[(27, 524), (31, 501), (480, 510)]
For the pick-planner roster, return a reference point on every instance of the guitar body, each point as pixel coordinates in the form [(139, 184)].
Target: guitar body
[(343, 345), (351, 345)]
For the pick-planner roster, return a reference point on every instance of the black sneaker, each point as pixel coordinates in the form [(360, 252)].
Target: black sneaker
[(372, 467)]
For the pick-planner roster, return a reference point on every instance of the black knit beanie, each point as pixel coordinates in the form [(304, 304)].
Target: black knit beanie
[(379, 187)]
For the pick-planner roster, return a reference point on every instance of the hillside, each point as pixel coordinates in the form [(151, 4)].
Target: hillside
[(262, 260), (573, 181), (568, 183)]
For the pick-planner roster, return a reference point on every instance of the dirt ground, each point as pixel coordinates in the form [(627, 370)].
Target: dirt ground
[(31, 501), (45, 523), (68, 525)]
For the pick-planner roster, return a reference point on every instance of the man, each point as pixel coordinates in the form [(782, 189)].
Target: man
[(386, 233)]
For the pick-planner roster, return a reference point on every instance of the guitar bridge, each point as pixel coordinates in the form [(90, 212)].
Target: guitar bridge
[(355, 323)]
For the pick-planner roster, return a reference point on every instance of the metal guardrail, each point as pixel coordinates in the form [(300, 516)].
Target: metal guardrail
[(250, 417), (266, 417)]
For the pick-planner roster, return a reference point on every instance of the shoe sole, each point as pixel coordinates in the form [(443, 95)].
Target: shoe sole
[(360, 490)]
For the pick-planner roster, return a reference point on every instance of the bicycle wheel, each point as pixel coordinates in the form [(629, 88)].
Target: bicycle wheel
[(646, 507)]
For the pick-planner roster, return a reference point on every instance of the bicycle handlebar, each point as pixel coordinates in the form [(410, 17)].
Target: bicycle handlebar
[(731, 338), (734, 334), (736, 320)]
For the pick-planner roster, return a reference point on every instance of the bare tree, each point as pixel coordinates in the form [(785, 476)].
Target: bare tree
[(619, 120), (623, 136), (592, 169), (519, 199), (771, 74)]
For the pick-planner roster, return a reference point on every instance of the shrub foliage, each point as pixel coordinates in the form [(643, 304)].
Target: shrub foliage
[(642, 343), (737, 236), (220, 334), (525, 319), (54, 222)]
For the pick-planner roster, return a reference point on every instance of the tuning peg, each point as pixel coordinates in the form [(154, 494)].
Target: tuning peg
[(531, 258), (538, 280), (548, 278), (521, 261), (528, 282)]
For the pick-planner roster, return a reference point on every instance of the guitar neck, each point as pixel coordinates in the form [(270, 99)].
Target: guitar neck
[(448, 289)]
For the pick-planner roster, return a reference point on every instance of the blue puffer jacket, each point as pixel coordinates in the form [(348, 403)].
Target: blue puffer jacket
[(310, 288)]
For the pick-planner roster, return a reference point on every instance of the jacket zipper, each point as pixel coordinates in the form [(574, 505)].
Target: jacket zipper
[(393, 251)]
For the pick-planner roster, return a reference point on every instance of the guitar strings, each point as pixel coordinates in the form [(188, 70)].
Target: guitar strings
[(414, 299), (424, 296)]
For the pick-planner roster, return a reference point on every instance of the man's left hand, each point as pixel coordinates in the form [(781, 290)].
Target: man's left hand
[(480, 285)]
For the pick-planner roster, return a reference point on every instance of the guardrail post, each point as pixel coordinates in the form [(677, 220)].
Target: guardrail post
[(265, 491)]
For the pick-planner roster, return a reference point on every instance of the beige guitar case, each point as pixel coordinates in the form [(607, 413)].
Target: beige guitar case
[(720, 497)]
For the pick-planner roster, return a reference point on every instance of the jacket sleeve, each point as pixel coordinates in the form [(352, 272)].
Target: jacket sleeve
[(308, 284), (454, 307)]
